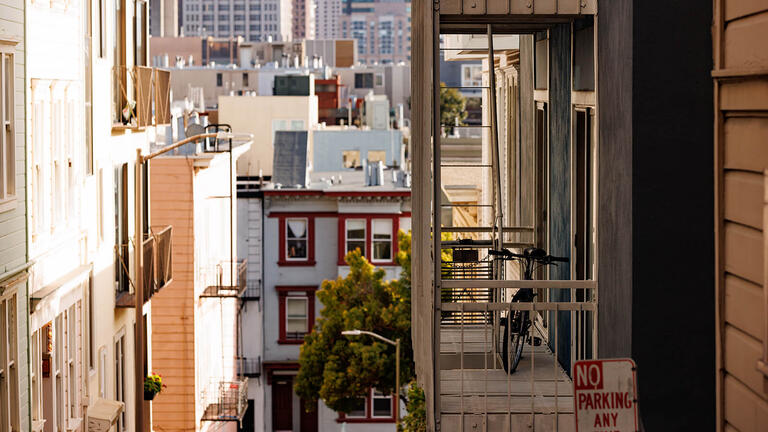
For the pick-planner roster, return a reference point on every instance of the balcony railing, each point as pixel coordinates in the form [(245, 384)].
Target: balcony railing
[(225, 400), (141, 97), (157, 274), (249, 366), (225, 279), (252, 291)]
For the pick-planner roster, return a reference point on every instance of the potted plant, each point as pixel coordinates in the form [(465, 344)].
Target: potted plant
[(153, 384)]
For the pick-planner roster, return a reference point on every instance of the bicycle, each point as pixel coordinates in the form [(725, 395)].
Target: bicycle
[(520, 322)]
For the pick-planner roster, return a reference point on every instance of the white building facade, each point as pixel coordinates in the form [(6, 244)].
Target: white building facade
[(254, 20)]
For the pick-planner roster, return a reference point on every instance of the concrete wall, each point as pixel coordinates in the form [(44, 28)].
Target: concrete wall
[(255, 115), (329, 145)]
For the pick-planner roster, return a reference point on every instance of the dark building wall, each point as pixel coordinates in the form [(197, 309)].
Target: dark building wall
[(560, 172), (656, 205)]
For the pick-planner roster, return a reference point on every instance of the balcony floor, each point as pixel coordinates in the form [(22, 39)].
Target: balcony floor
[(492, 399)]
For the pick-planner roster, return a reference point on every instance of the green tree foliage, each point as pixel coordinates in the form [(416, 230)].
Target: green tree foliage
[(416, 419), (339, 369), (453, 107)]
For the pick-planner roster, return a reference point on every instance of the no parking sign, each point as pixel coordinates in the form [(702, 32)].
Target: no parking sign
[(605, 395)]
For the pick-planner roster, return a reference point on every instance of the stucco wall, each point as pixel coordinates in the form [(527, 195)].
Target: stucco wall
[(329, 145)]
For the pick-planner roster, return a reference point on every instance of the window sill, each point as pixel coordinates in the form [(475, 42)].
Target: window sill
[(290, 341), (365, 420), (284, 263)]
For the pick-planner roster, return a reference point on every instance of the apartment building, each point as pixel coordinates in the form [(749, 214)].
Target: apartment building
[(195, 320), (327, 15), (303, 15), (164, 19), (337, 207), (382, 30), (585, 156), (14, 341), (263, 116), (254, 20)]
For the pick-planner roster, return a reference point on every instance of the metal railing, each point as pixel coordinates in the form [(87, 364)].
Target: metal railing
[(252, 290), (163, 256), (225, 279), (476, 392), (225, 400), (141, 96), (249, 366)]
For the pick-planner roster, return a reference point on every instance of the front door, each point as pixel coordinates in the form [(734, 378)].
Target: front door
[(308, 417), (282, 404)]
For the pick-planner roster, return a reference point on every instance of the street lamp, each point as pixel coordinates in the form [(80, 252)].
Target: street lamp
[(396, 343)]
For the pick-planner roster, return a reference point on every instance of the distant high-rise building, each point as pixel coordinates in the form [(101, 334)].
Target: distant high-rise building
[(254, 20), (303, 26), (327, 16), (382, 30), (164, 18)]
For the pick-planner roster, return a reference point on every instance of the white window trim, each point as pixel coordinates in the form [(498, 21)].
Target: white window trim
[(346, 235), (374, 241), (8, 201), (306, 239), (391, 406), (303, 297)]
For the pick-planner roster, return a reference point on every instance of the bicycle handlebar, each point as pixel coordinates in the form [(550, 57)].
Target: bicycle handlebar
[(546, 259)]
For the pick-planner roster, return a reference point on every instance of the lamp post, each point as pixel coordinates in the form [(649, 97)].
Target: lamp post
[(396, 343)]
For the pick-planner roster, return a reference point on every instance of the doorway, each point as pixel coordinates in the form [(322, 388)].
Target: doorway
[(282, 404)]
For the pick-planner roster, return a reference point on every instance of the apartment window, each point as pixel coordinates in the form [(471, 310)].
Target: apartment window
[(374, 156), (239, 7), (120, 377), (382, 239), (380, 79), (297, 312), (223, 7), (363, 80), (102, 28), (355, 237), (224, 28), (223, 17), (297, 237), (245, 79), (350, 158), (7, 138), (373, 407), (121, 228), (9, 372), (239, 17), (219, 79), (471, 75)]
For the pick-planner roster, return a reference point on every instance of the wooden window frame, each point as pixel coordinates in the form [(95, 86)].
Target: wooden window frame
[(392, 235), (283, 259), (8, 200), (285, 291), (368, 252), (369, 417)]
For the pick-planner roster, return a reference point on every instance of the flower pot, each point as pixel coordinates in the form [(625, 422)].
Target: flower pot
[(149, 395)]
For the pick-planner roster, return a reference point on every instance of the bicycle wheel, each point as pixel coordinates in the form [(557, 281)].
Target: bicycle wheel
[(519, 333)]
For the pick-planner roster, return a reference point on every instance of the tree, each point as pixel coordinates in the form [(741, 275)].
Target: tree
[(338, 369), (453, 107)]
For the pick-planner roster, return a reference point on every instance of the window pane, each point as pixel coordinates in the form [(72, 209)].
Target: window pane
[(382, 405), (296, 307), (350, 158), (382, 228), (382, 250), (297, 228), (297, 249), (355, 244), (377, 155), (355, 229), (358, 409)]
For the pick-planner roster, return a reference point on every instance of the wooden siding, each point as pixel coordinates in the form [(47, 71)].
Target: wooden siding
[(741, 151), (173, 331)]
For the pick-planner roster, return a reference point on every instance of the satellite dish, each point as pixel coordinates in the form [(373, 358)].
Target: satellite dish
[(194, 129)]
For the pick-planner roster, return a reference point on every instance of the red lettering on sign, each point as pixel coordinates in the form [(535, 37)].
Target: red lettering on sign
[(589, 375)]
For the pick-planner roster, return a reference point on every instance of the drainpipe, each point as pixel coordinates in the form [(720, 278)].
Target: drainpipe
[(139, 294)]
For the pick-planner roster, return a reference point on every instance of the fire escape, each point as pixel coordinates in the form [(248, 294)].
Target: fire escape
[(462, 297)]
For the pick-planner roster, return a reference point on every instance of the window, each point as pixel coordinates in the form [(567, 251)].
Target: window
[(297, 312), (120, 377), (9, 373), (363, 80), (245, 79), (350, 158), (379, 79), (374, 156), (7, 137), (374, 406), (471, 75), (219, 79), (355, 229), (382, 239), (296, 239)]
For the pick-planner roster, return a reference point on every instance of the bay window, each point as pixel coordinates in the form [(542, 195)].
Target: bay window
[(382, 239), (355, 238)]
